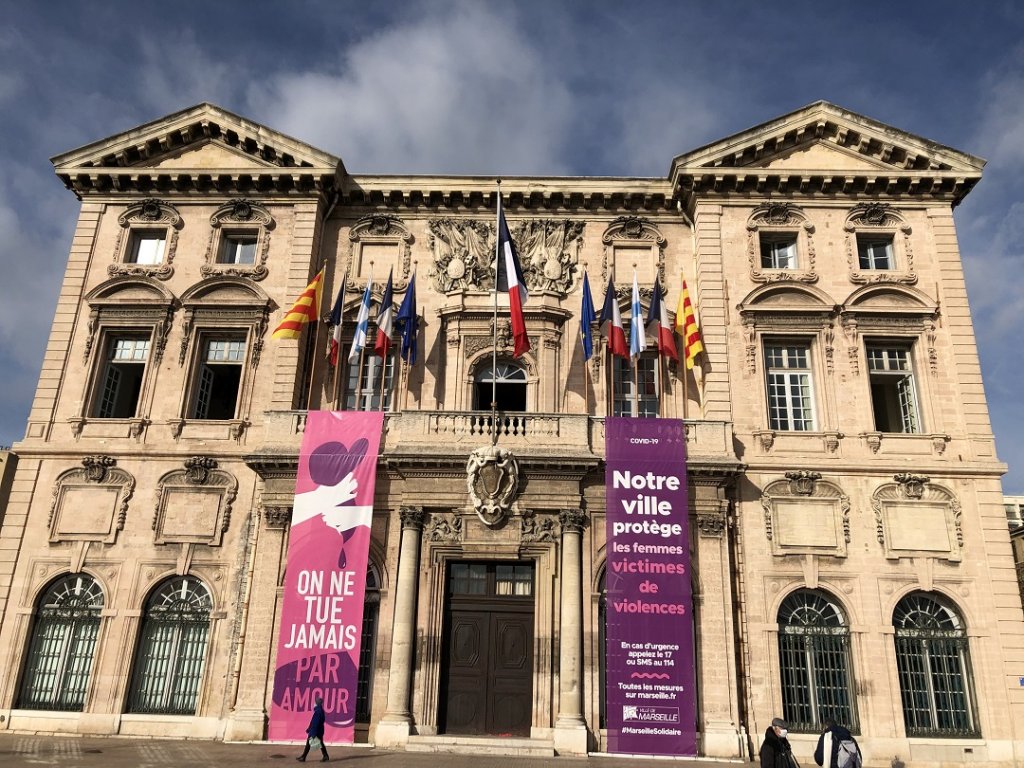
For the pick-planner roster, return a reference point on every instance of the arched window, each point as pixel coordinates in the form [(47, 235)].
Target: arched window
[(60, 656), (934, 668), (508, 386), (368, 645), (364, 388), (172, 646), (814, 662)]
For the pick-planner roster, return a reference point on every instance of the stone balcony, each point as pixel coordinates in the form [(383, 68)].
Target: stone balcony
[(447, 437)]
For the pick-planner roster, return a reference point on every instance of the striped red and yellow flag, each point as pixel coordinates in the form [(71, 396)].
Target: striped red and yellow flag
[(306, 309), (686, 326)]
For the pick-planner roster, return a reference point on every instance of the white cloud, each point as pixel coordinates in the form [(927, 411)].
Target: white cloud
[(463, 90)]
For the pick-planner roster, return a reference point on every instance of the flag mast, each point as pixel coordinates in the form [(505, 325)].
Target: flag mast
[(494, 325), (316, 342), (339, 368)]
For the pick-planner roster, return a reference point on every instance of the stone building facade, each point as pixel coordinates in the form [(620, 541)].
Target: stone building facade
[(850, 549)]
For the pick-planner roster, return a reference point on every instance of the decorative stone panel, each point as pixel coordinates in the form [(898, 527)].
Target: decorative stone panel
[(90, 503), (193, 504), (916, 518), (804, 514)]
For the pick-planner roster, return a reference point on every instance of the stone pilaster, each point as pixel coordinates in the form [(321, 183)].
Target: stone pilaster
[(393, 729), (570, 727), (716, 661)]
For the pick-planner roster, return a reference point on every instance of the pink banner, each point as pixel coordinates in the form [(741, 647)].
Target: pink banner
[(322, 612)]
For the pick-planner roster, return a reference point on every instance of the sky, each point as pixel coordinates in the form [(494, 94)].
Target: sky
[(498, 88)]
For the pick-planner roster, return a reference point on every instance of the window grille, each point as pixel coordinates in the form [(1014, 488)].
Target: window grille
[(790, 390), (933, 664), (368, 646), (172, 647), (814, 663), (63, 644)]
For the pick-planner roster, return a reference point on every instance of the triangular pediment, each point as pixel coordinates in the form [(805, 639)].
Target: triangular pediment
[(199, 138), (823, 138)]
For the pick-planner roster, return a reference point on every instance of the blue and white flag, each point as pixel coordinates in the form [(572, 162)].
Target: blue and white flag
[(362, 325), (587, 318), (637, 332)]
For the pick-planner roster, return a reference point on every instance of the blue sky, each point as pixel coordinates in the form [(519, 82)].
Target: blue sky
[(547, 88)]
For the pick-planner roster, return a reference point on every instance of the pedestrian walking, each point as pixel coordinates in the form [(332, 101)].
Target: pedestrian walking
[(315, 732), (836, 747), (775, 749)]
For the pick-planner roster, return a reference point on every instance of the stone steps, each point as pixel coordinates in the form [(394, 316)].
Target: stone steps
[(482, 745)]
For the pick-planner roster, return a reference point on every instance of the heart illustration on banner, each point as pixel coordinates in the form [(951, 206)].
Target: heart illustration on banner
[(329, 463)]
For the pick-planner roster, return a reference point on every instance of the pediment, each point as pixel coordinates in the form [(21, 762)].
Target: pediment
[(823, 147), (788, 296), (200, 137), (129, 290), (888, 299), (225, 292)]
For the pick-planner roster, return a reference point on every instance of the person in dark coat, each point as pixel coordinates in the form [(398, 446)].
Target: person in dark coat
[(826, 754), (775, 749), (316, 730)]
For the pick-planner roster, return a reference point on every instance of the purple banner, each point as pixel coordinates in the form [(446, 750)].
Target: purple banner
[(325, 581), (651, 686)]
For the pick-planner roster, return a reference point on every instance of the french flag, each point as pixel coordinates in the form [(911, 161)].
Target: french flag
[(510, 278), (611, 323), (336, 320), (657, 323), (385, 322)]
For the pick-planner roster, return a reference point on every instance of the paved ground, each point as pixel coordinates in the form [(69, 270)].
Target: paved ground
[(116, 752)]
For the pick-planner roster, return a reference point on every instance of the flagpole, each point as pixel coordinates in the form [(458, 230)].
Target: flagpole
[(316, 342), (636, 386), (339, 367), (663, 370), (383, 377), (359, 377), (609, 377), (494, 325), (586, 387)]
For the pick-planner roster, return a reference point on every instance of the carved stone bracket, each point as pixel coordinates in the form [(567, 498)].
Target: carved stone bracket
[(444, 528), (413, 518), (197, 469), (149, 213), (239, 212), (492, 477), (911, 486), (765, 438), (831, 440), (96, 467), (802, 482), (873, 440), (712, 523), (573, 520)]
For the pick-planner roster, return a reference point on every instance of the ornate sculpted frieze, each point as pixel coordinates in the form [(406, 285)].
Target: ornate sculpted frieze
[(492, 477), (444, 528), (532, 530), (463, 252), (549, 251)]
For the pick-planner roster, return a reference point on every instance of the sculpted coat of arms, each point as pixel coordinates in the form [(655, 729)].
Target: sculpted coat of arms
[(492, 475)]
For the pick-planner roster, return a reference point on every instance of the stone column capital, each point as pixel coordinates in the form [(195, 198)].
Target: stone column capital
[(277, 517), (412, 518), (573, 520)]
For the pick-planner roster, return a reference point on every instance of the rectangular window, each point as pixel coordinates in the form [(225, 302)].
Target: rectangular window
[(778, 250), (875, 252), (364, 387), (238, 248), (120, 381), (790, 390), (893, 396), (147, 246), (219, 377), (629, 402)]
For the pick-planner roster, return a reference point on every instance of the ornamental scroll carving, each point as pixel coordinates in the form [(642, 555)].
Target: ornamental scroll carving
[(627, 231), (804, 514), (533, 530), (193, 504), (239, 212), (781, 218), (90, 503), (463, 254), (917, 518), (492, 477), (381, 230), (880, 219), (152, 214), (444, 528)]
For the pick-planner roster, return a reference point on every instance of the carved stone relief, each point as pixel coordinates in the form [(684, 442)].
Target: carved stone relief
[(463, 254), (150, 213), (549, 252), (91, 503), (492, 477), (239, 212), (532, 530), (444, 528)]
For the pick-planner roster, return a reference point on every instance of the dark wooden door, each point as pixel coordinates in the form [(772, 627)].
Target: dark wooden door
[(488, 670)]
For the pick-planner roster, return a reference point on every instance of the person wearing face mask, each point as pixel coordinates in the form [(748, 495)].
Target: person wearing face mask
[(775, 749)]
